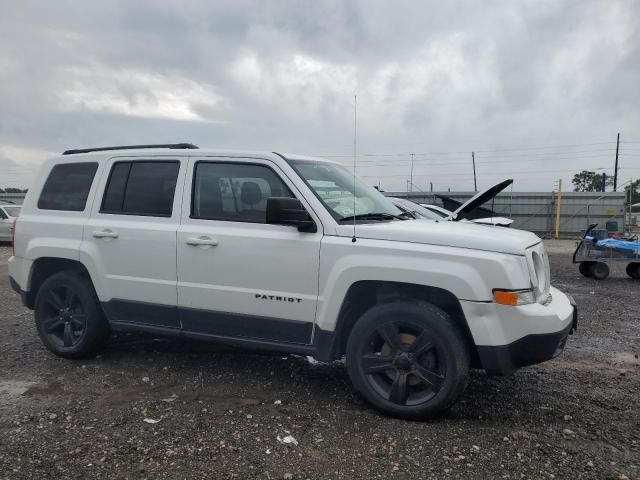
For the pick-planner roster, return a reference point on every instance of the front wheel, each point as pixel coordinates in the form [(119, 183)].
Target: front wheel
[(409, 360)]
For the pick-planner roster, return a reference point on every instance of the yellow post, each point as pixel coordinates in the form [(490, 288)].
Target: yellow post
[(558, 201)]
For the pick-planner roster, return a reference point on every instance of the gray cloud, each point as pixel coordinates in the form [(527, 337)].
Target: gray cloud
[(431, 77)]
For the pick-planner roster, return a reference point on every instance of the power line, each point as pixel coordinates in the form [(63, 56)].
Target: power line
[(438, 161), (426, 155)]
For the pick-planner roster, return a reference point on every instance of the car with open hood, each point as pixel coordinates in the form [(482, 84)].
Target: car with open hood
[(284, 253)]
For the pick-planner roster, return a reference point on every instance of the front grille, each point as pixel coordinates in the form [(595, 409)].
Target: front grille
[(538, 261)]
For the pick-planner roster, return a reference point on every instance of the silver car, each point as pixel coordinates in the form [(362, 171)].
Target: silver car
[(8, 214)]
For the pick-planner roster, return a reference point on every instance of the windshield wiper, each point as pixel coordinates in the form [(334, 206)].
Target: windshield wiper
[(408, 216), (370, 216)]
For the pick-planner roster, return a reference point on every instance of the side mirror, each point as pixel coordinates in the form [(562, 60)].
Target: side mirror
[(289, 211)]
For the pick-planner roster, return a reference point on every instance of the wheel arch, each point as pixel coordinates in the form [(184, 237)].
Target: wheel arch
[(44, 267), (363, 295)]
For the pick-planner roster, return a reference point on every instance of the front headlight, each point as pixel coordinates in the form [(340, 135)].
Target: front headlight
[(514, 297)]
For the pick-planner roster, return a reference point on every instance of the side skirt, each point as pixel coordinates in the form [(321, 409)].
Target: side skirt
[(248, 343), (246, 331)]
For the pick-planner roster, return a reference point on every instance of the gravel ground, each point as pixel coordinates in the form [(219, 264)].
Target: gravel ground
[(219, 411)]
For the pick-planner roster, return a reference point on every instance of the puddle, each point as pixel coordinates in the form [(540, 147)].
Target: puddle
[(14, 388), (627, 358), (48, 390)]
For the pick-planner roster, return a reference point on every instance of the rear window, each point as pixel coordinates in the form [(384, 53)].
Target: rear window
[(141, 188), (67, 187)]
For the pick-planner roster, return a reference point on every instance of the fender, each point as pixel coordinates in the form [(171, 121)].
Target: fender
[(467, 274)]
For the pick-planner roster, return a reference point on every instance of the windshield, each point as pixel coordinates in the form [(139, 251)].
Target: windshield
[(442, 213), (334, 186), (12, 211), (417, 209)]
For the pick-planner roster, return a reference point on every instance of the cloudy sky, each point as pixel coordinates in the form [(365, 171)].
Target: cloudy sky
[(538, 89)]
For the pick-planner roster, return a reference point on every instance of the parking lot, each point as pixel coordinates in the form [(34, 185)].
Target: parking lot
[(154, 408)]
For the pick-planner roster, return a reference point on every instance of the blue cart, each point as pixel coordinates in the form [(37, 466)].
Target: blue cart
[(596, 251)]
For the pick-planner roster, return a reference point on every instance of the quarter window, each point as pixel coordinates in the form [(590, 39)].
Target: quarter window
[(67, 187), (141, 188), (234, 192)]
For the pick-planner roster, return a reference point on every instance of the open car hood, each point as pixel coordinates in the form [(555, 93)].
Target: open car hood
[(478, 199)]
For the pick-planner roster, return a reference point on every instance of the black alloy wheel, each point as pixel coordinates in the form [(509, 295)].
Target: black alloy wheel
[(408, 359), (68, 316), (403, 364), (65, 317)]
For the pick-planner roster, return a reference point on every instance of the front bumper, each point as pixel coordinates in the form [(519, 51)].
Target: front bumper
[(544, 332)]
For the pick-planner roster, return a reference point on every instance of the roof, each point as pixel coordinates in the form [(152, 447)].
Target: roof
[(155, 150)]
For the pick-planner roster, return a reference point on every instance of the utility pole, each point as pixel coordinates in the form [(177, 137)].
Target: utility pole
[(411, 175), (615, 172), (473, 159), (559, 199)]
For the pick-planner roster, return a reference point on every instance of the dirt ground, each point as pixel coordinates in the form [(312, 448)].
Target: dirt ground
[(220, 411)]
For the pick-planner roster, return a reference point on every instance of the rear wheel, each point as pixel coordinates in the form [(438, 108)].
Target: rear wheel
[(633, 270), (599, 271), (408, 360), (585, 268), (68, 316)]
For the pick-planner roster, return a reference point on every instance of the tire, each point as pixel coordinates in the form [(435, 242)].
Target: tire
[(68, 316), (599, 271), (408, 360), (585, 268), (633, 270)]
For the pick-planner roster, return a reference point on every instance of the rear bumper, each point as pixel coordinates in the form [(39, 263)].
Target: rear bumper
[(16, 288), (19, 271), (533, 348)]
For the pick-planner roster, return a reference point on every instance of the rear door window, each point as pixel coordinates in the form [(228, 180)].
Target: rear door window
[(67, 187), (143, 188)]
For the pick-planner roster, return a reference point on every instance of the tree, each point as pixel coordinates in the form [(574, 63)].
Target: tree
[(1, 190), (635, 194), (589, 181)]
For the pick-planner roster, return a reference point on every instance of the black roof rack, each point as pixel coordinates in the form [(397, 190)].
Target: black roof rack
[(177, 146)]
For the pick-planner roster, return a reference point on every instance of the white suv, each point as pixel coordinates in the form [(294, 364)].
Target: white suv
[(285, 253)]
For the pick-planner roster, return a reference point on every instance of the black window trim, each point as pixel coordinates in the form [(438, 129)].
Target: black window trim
[(227, 162), (84, 208), (126, 183)]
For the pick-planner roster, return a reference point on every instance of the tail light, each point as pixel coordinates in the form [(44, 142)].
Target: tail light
[(13, 237)]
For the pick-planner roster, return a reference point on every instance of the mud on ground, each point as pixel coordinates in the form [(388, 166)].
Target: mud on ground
[(219, 410)]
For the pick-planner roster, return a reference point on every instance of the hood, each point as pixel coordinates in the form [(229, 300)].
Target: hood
[(502, 221), (448, 234), (478, 199)]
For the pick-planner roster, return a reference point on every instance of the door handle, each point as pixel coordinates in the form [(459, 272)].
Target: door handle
[(197, 241), (105, 234)]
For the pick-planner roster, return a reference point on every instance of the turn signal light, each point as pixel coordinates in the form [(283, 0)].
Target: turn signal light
[(513, 297)]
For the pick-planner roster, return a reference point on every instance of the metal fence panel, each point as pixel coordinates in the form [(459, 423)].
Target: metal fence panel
[(536, 211)]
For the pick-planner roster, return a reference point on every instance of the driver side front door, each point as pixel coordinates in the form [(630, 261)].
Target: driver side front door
[(237, 275)]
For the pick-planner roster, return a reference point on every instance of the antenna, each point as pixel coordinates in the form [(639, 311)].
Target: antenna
[(355, 153)]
